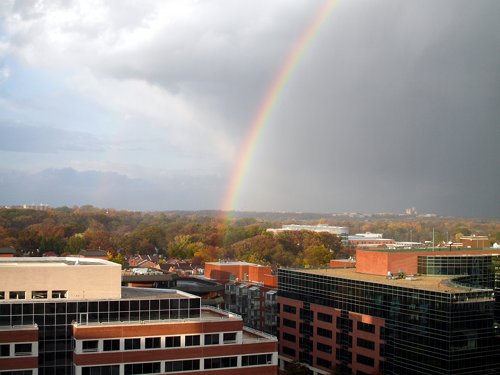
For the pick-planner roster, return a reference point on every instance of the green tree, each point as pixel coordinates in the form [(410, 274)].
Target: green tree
[(317, 256), (76, 243)]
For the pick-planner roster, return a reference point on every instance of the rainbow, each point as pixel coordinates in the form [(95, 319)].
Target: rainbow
[(269, 102)]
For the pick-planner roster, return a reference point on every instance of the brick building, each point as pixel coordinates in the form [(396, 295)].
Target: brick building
[(249, 290), (71, 316), (397, 312)]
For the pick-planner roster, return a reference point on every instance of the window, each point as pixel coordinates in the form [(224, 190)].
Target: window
[(365, 360), (212, 339), (186, 365), (172, 341), (222, 362), (324, 332), (362, 343), (2, 295), (288, 351), (325, 317), (324, 348), (366, 327), (57, 294), (193, 340), (229, 337), (323, 362), (17, 295), (110, 345), (4, 350), (289, 309), (101, 370), (132, 344), (289, 337), (153, 342), (22, 349), (289, 323), (90, 345), (39, 294), (142, 368), (255, 360)]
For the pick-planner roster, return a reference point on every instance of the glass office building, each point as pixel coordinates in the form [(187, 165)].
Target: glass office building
[(370, 324)]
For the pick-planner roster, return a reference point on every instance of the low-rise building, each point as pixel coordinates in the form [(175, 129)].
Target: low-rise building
[(71, 316)]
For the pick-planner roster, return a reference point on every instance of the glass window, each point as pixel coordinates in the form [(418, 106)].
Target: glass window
[(192, 340), (59, 294), (22, 349), (2, 295), (221, 362), (90, 345), (229, 337), (132, 344), (325, 317), (39, 294), (4, 350), (365, 360), (212, 339), (153, 342), (173, 341), (17, 295), (111, 345), (324, 332)]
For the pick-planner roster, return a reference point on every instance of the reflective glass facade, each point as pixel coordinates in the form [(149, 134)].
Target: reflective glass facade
[(425, 331), (54, 321)]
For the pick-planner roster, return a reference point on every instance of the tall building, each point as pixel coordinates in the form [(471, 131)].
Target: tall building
[(397, 312), (71, 316)]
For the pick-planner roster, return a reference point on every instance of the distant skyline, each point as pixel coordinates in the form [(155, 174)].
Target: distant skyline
[(147, 105)]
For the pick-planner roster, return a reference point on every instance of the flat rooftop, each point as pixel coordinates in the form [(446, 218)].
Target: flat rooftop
[(430, 283), (148, 293), (236, 263), (438, 250), (51, 262)]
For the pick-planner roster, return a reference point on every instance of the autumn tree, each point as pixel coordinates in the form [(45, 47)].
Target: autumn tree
[(317, 256), (76, 243)]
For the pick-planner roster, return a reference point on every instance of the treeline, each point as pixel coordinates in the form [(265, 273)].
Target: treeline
[(67, 231), (203, 238)]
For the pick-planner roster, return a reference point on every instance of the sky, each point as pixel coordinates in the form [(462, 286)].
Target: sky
[(146, 105)]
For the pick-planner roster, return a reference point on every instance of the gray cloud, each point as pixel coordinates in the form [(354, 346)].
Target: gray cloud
[(67, 187), (43, 139)]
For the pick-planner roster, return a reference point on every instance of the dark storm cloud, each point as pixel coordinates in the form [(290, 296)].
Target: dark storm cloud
[(398, 107)]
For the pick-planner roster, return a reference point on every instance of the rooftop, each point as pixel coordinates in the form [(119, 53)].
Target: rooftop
[(437, 250), (236, 263), (52, 262), (431, 283), (148, 293)]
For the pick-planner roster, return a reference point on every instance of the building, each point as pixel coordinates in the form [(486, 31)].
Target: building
[(71, 316), (397, 312), (7, 252), (339, 231), (474, 241), (249, 290), (369, 241)]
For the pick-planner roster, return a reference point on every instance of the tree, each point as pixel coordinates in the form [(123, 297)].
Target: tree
[(317, 256), (76, 243)]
